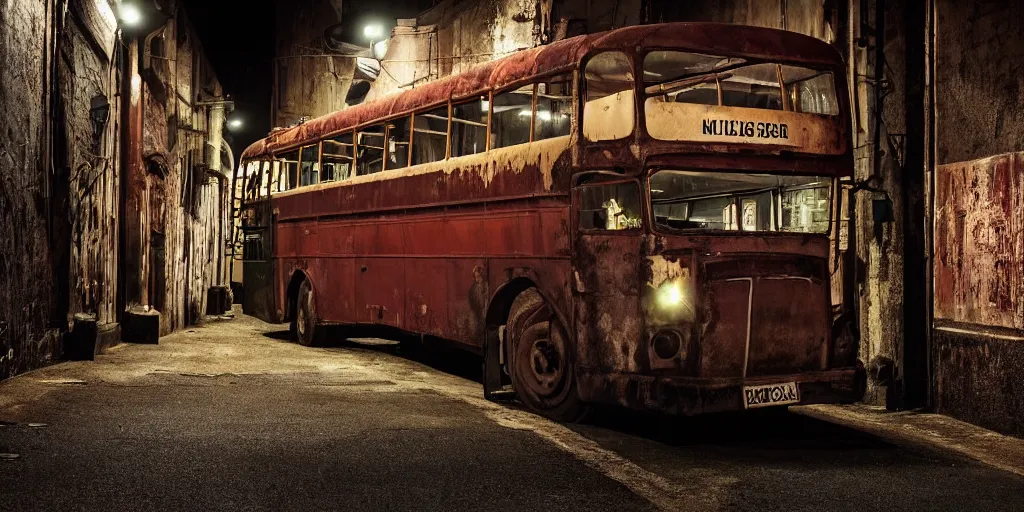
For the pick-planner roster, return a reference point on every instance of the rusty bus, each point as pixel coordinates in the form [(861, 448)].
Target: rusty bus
[(645, 217)]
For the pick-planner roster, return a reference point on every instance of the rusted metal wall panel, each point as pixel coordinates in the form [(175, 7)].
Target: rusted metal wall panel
[(979, 242)]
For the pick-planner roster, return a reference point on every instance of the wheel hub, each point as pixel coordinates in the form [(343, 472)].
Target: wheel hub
[(546, 365)]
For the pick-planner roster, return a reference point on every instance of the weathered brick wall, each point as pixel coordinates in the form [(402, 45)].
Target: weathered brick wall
[(28, 302)]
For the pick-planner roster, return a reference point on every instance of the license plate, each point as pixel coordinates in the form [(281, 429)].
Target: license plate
[(770, 394)]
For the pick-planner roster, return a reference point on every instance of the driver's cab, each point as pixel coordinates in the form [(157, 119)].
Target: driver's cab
[(705, 212)]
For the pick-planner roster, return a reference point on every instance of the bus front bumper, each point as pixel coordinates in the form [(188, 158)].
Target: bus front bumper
[(689, 396)]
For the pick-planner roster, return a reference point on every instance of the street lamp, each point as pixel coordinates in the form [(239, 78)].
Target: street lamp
[(130, 14), (373, 32), (235, 124)]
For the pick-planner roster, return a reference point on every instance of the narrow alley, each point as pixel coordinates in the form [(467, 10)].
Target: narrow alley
[(232, 416)]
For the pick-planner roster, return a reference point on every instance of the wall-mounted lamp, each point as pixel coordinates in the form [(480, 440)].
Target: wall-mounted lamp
[(99, 112), (373, 32), (129, 14)]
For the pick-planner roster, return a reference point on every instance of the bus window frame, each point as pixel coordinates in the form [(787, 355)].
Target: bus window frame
[(384, 145), (652, 224), (486, 125), (572, 78), (641, 87), (637, 90), (283, 166), (352, 158), (605, 178), (387, 139), (490, 112), (423, 111), (319, 157)]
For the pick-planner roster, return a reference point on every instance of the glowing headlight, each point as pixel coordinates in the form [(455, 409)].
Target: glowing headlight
[(670, 295)]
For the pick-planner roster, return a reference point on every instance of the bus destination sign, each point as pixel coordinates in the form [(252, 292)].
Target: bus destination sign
[(745, 129), (714, 124)]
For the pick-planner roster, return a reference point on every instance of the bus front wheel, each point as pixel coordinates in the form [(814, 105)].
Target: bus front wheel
[(540, 360), (304, 325)]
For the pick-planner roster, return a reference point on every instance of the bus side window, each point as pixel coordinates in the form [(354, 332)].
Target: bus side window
[(289, 170), (370, 149), (337, 158), (609, 110), (430, 136), (398, 144), (469, 127), (252, 175), (554, 108), (609, 206), (264, 180), (510, 120), (309, 166), (278, 178)]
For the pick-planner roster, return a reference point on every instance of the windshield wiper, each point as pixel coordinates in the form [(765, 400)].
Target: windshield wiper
[(732, 194), (683, 79), (676, 85)]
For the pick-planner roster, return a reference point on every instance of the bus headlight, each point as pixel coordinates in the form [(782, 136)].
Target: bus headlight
[(672, 295)]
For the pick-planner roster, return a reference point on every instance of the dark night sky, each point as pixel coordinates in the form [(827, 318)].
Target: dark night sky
[(238, 36)]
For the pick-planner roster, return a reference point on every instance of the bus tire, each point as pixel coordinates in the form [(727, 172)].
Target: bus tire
[(541, 361), (305, 328)]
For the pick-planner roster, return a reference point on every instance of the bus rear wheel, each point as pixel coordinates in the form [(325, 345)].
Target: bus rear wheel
[(541, 361), (304, 325)]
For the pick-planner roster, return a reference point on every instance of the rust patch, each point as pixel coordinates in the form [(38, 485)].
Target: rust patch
[(979, 242)]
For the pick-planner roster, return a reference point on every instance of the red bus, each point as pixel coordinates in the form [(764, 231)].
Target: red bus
[(646, 217)]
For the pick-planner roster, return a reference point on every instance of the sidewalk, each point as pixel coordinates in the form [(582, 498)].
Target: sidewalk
[(929, 432)]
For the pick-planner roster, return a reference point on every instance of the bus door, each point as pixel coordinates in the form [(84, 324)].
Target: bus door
[(257, 225), (606, 271)]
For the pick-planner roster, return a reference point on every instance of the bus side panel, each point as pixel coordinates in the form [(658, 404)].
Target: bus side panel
[(380, 290), (467, 299), (258, 299), (334, 282), (426, 299)]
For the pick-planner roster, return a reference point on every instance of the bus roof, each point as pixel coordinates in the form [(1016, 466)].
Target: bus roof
[(559, 56)]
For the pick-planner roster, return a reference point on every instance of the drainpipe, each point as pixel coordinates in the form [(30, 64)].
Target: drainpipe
[(216, 116), (216, 131)]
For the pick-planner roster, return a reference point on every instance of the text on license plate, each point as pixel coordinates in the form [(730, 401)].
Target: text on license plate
[(770, 394)]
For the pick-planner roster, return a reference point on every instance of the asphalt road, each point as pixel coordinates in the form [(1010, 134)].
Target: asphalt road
[(232, 416)]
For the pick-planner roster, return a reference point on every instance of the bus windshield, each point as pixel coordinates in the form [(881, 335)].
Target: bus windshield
[(727, 201), (682, 77)]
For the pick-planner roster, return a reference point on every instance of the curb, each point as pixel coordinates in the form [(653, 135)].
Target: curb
[(927, 432)]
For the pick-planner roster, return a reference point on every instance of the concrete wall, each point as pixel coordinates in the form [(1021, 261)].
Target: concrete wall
[(978, 342), (309, 80)]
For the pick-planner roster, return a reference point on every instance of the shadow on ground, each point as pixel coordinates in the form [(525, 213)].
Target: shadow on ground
[(761, 431)]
